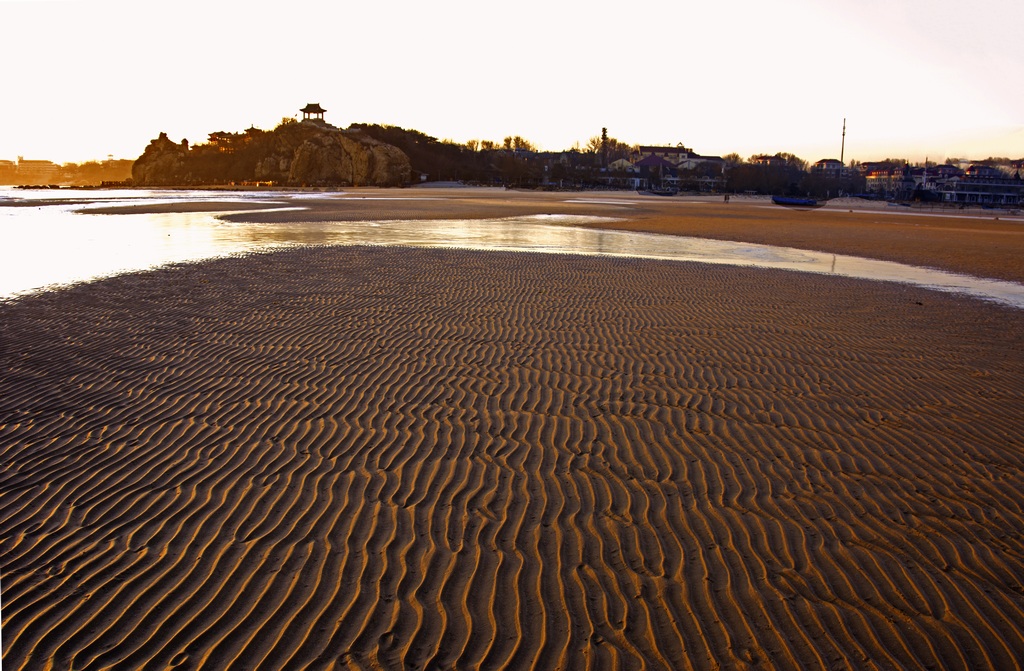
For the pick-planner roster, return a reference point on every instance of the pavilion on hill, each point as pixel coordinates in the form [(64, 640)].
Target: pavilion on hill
[(312, 112)]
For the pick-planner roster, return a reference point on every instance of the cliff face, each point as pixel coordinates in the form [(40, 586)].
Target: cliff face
[(162, 164), (293, 154)]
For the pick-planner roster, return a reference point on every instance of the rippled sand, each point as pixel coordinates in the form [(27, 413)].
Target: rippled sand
[(397, 458)]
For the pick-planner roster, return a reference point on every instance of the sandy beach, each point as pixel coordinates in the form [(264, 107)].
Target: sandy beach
[(390, 458)]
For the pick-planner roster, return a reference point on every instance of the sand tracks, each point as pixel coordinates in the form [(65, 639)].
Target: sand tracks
[(394, 458)]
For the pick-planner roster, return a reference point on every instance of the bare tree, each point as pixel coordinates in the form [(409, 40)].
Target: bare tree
[(732, 160), (607, 148), (519, 143)]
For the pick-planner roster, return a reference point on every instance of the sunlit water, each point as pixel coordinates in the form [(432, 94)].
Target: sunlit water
[(50, 245)]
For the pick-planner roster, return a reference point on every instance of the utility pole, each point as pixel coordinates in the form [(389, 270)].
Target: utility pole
[(604, 147), (842, 151)]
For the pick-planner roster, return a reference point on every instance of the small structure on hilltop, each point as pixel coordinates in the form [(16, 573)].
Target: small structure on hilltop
[(313, 112)]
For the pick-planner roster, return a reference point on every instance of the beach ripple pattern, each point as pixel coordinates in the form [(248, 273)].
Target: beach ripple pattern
[(384, 458)]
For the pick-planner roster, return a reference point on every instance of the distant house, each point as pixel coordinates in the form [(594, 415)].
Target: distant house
[(621, 165), (37, 172), (768, 161), (8, 172), (673, 155), (223, 140), (983, 186), (904, 182), (984, 172), (657, 171), (569, 157), (867, 167), (709, 164), (681, 158), (943, 173), (655, 162), (828, 167), (897, 182)]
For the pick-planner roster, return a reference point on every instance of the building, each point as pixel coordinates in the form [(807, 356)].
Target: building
[(621, 165), (673, 155), (313, 112), (889, 181), (983, 186), (657, 171), (768, 161), (828, 167), (224, 141), (8, 172), (37, 172), (711, 164), (679, 158)]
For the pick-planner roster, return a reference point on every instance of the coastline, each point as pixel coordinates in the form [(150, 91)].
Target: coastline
[(381, 457), (973, 243)]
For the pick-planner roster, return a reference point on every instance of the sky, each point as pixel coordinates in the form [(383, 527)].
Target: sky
[(936, 79)]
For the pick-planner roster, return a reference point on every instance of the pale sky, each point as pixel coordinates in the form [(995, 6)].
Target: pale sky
[(936, 79)]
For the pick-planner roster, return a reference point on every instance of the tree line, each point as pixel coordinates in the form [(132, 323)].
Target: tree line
[(516, 162)]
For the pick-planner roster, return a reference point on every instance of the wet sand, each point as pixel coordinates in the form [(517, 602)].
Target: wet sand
[(396, 458)]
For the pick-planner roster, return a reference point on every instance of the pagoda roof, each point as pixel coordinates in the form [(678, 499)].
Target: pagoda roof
[(313, 108)]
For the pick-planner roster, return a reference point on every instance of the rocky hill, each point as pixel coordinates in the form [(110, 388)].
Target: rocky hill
[(293, 154)]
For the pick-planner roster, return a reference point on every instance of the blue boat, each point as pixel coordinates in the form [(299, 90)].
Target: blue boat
[(794, 202)]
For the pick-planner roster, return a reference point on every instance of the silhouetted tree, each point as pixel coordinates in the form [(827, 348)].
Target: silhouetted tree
[(793, 162), (732, 160), (608, 149), (519, 143)]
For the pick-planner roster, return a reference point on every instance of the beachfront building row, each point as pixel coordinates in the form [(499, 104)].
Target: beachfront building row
[(28, 172), (667, 167), (985, 186), (646, 167), (978, 185)]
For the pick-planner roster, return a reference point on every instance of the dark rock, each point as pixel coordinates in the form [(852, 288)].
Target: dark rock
[(293, 154)]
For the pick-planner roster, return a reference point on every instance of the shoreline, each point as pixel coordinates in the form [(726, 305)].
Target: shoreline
[(373, 457), (983, 246)]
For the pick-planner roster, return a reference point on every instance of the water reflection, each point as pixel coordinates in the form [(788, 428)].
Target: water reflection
[(52, 246), (108, 197)]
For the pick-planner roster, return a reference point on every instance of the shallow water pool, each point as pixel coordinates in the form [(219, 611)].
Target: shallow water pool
[(52, 245)]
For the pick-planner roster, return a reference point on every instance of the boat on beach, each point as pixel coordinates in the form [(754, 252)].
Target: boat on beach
[(795, 202)]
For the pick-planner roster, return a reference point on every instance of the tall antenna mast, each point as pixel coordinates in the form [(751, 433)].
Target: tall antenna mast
[(842, 152)]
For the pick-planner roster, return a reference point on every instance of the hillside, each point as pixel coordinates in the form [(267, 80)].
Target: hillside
[(293, 154)]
